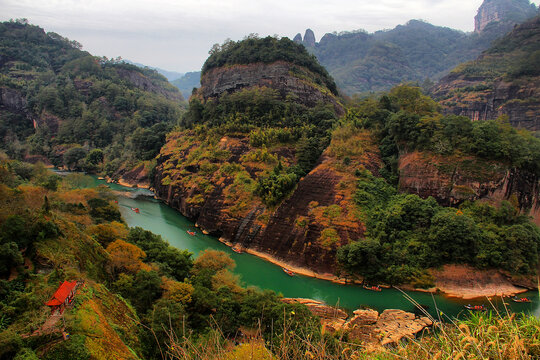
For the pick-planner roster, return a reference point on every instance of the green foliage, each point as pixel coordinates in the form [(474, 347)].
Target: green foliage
[(73, 158), (73, 349), (172, 262), (82, 99), (141, 290), (405, 120), (274, 187), (407, 235), (267, 50), (102, 210)]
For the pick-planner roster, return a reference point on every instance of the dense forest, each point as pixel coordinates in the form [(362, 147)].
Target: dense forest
[(78, 110)]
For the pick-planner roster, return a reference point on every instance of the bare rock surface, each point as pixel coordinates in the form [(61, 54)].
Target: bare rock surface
[(366, 325)]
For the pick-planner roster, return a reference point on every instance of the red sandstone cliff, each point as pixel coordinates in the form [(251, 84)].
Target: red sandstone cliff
[(285, 77), (452, 180), (305, 229)]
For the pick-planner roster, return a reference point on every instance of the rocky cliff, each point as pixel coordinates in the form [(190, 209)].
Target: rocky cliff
[(283, 76), (505, 80), (305, 229), (508, 12), (455, 179)]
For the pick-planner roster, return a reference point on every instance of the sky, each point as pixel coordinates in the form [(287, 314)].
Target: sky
[(177, 34)]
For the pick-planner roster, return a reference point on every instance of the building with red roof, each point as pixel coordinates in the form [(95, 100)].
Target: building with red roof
[(63, 296)]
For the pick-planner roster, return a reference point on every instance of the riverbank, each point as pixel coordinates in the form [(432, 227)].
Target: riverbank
[(294, 268), (465, 282), (452, 281)]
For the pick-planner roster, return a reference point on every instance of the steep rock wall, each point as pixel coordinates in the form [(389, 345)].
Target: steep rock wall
[(146, 84), (452, 180), (508, 11), (279, 76), (305, 229), (518, 100)]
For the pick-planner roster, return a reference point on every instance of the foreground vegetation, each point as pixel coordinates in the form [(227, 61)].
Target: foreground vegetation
[(137, 287), (480, 336)]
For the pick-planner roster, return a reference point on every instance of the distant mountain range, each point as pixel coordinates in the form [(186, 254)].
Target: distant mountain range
[(187, 82), (170, 75), (417, 51)]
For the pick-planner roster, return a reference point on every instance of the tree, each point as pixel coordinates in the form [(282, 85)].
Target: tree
[(73, 157), (361, 257), (108, 232), (177, 291), (213, 260), (93, 160), (126, 257)]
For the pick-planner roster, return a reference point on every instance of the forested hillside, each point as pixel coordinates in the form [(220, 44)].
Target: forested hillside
[(417, 51), (503, 81), (78, 110)]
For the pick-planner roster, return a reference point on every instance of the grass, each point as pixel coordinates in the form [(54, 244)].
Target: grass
[(483, 335)]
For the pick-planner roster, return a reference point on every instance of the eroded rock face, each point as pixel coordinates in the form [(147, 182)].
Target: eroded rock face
[(319, 308), (366, 325), (12, 99), (291, 232), (277, 76), (511, 11), (517, 100), (453, 180)]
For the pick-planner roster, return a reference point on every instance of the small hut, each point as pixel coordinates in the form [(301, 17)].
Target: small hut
[(63, 296)]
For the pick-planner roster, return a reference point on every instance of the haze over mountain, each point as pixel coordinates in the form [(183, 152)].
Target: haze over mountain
[(363, 62)]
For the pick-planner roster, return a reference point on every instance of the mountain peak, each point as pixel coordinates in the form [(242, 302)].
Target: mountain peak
[(309, 38)]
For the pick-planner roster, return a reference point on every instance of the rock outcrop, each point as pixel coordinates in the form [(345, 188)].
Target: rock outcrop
[(309, 38), (517, 100), (452, 180), (12, 99), (510, 12), (504, 80), (305, 229), (366, 325), (279, 75)]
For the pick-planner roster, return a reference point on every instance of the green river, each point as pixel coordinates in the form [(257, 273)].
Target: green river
[(253, 271)]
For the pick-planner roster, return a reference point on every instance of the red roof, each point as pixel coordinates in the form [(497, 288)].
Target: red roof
[(62, 293)]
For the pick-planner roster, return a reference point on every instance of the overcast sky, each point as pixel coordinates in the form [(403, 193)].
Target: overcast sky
[(177, 34)]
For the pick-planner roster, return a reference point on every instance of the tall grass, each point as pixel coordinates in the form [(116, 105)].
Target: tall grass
[(482, 335)]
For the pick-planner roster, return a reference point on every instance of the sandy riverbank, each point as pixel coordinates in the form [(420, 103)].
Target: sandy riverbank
[(125, 183), (465, 282), (296, 269), (453, 281)]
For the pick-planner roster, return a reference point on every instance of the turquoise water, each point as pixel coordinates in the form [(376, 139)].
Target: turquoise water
[(253, 271)]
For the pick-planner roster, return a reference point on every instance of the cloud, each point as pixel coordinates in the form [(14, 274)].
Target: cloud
[(177, 34)]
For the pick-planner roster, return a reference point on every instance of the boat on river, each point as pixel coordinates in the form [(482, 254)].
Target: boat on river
[(192, 233), (288, 272), (237, 250), (475, 307), (372, 288), (136, 210), (521, 300)]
